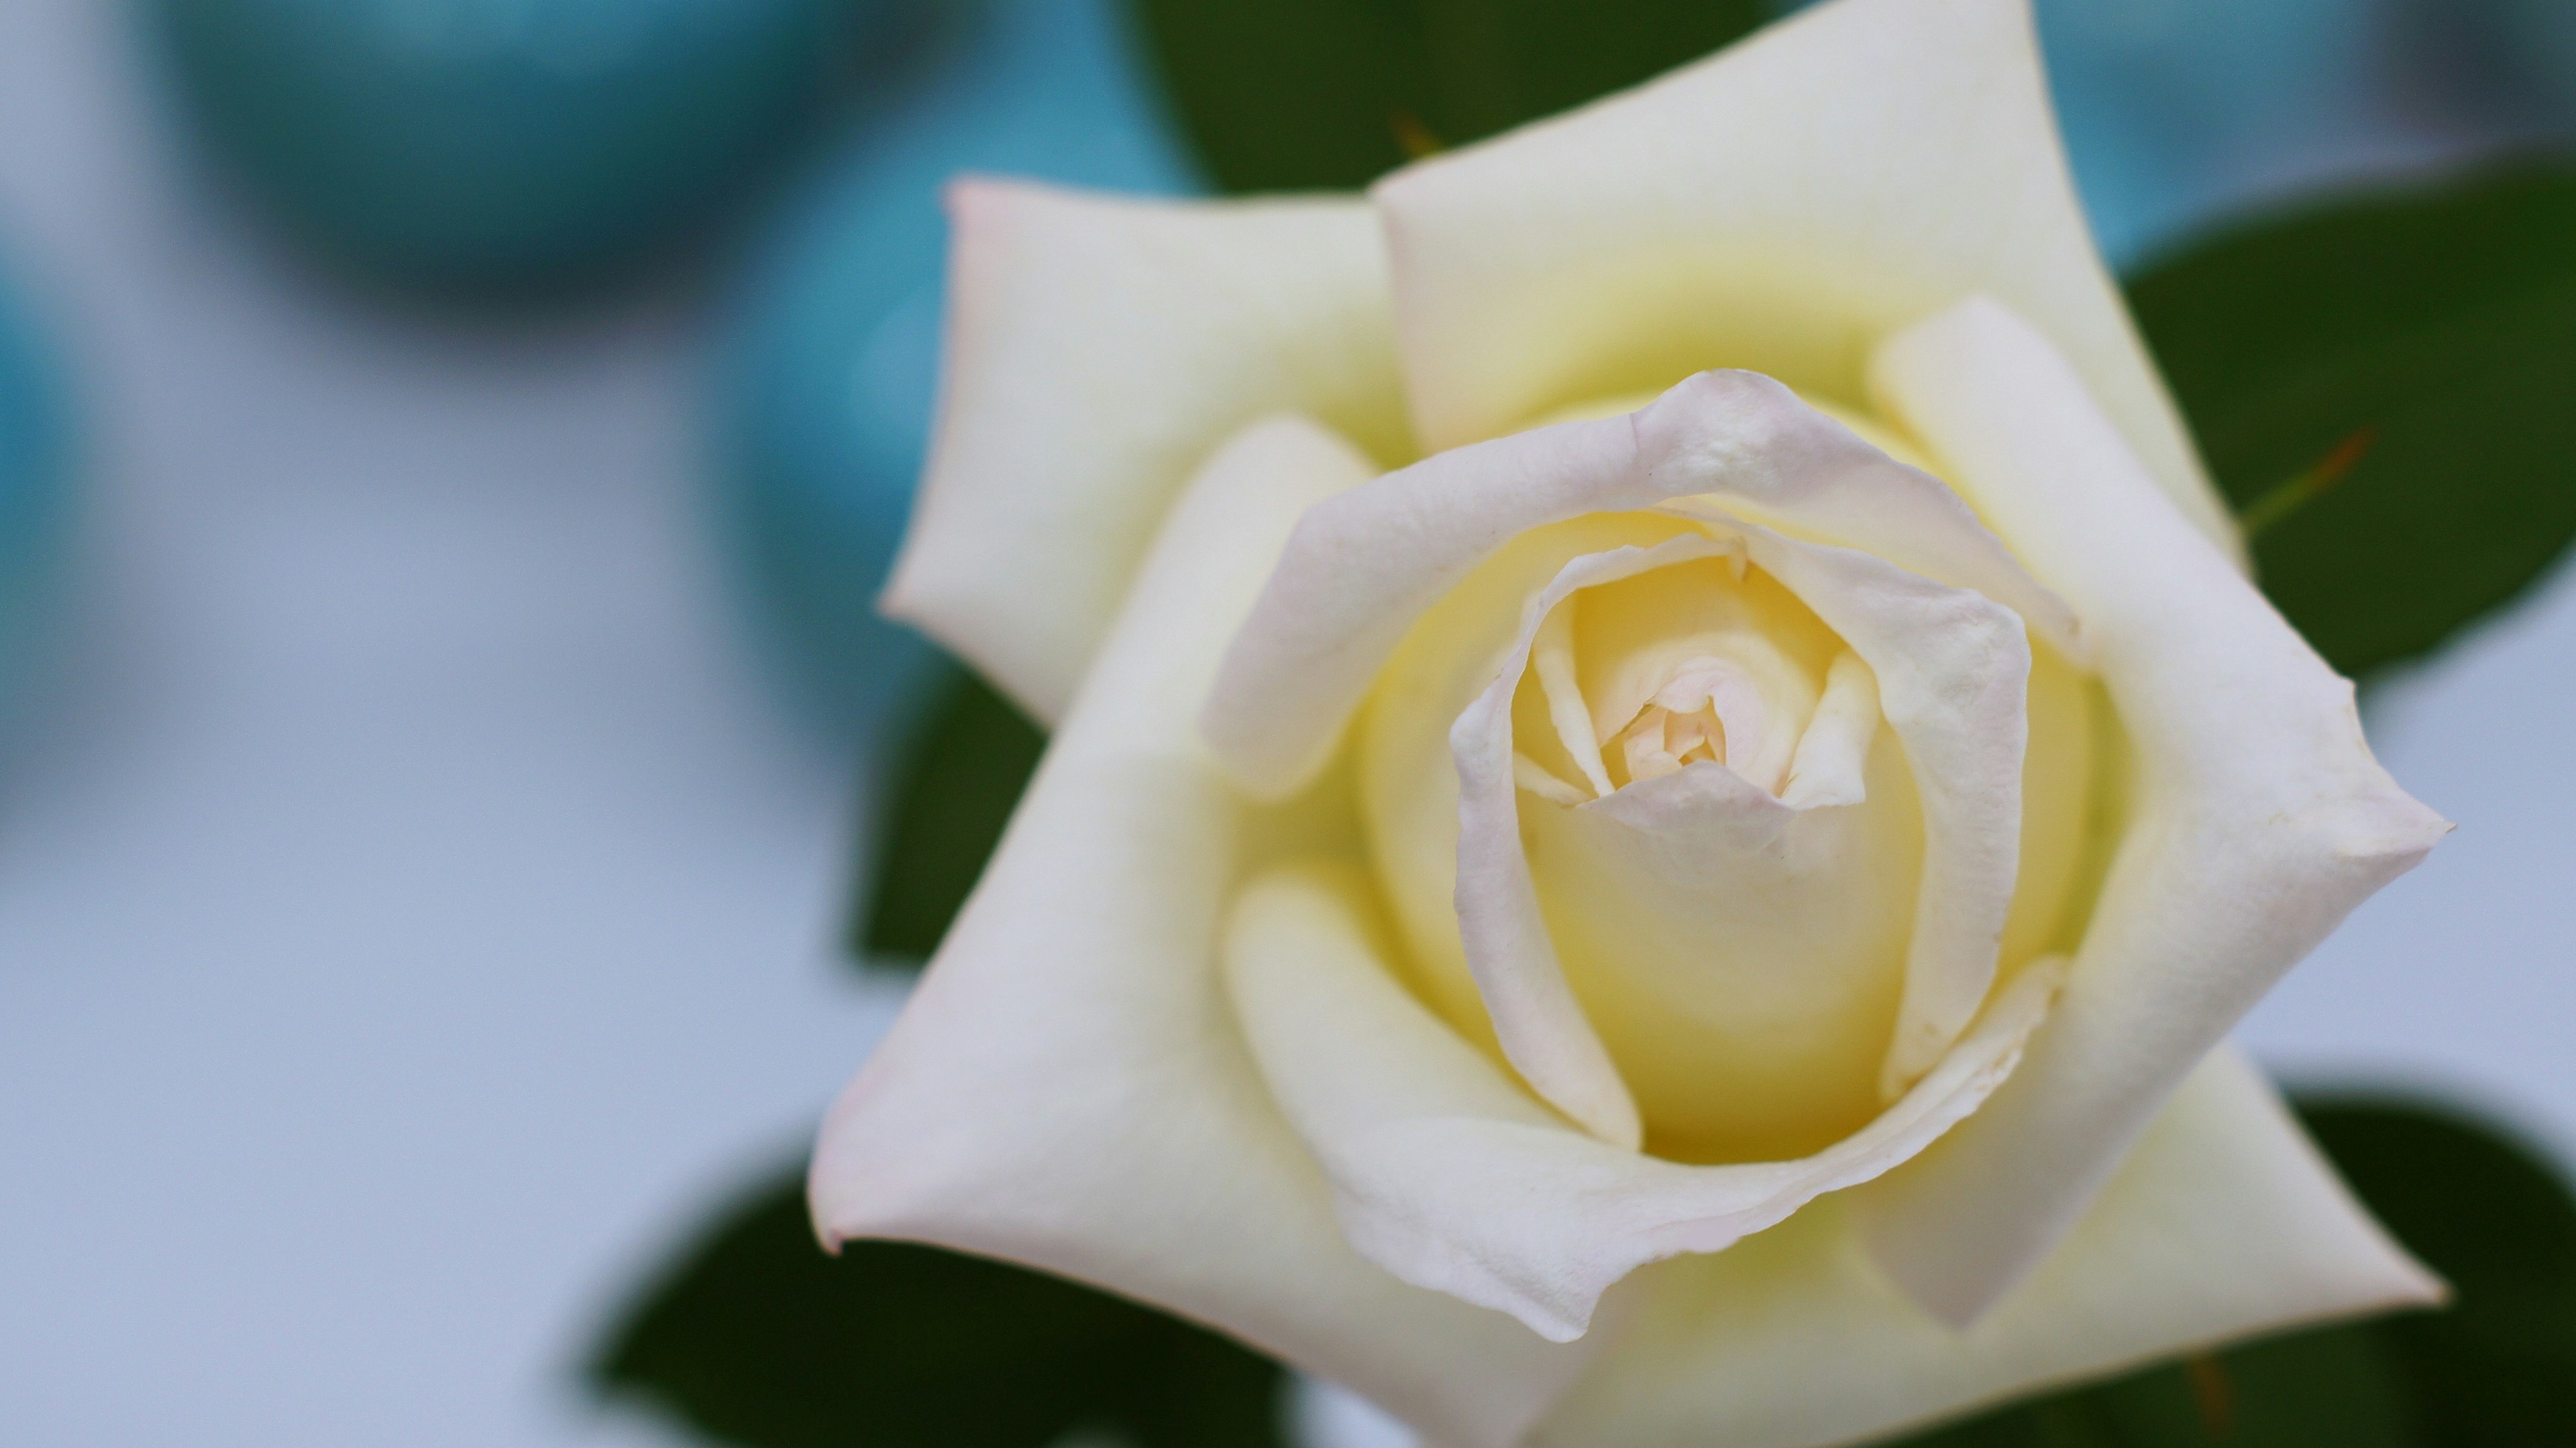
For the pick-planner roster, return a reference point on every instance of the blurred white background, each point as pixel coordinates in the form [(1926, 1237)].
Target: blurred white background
[(414, 912)]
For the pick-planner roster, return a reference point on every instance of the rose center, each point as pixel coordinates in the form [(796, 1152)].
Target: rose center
[(1691, 718), (1639, 681)]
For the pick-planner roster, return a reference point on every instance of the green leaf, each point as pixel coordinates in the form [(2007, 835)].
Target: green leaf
[(2498, 1368), (2381, 384), (1301, 94), (759, 1339), (953, 791), (2326, 1389)]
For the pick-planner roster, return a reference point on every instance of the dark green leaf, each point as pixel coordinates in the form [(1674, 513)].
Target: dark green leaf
[(759, 1339), (1299, 94), (2498, 1368), (2381, 383), (2326, 1389), (952, 793)]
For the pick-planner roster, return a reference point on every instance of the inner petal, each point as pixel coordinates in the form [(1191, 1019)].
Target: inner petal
[(1739, 953), (1552, 660), (1744, 981), (1709, 656)]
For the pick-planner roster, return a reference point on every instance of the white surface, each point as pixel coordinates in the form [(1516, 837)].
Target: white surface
[(415, 911), (412, 909)]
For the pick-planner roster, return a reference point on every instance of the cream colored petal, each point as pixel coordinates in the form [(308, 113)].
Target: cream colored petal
[(1778, 207), (1834, 752), (1953, 675), (1360, 569), (1066, 1089), (1543, 1029), (1449, 1176), (1741, 958), (2222, 1224), (1552, 658), (1097, 350), (2259, 817)]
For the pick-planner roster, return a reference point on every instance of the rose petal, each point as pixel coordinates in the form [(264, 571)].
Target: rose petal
[(1777, 208), (1098, 349), (2222, 1224), (1952, 669), (1065, 1089), (1953, 674), (1835, 748), (1552, 658), (1360, 569), (1450, 1177), (1543, 1029), (2260, 817)]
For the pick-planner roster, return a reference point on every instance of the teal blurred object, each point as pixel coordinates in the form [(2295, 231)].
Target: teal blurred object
[(826, 394), (2159, 97), (2537, 42), (35, 463), (503, 143)]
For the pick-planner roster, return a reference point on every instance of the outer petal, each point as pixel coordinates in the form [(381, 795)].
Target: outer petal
[(1097, 350), (1777, 207), (1449, 1176), (1066, 1089), (2223, 1223), (2259, 820), (1362, 568)]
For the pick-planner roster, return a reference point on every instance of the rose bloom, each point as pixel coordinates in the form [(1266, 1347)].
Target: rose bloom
[(1665, 776)]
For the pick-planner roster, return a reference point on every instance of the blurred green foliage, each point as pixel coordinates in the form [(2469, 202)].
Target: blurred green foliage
[(1289, 95), (2329, 1389), (2382, 385), (951, 793), (757, 1338), (2498, 1370)]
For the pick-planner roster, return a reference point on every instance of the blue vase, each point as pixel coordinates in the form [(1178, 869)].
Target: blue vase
[(501, 143), (826, 392), (2159, 99), (35, 449)]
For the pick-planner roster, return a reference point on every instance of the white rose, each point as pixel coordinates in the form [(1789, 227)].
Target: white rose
[(1461, 907)]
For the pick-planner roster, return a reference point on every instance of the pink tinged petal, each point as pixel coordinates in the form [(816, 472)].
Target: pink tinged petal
[(2260, 818), (1066, 1088), (1712, 704), (2223, 1223), (1360, 569), (1542, 1027), (1775, 208), (1449, 1176), (1098, 349)]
